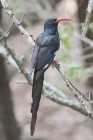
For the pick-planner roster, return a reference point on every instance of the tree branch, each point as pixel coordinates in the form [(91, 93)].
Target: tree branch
[(66, 102), (85, 39), (88, 16), (55, 96), (74, 90), (61, 98), (7, 31), (47, 86), (15, 21)]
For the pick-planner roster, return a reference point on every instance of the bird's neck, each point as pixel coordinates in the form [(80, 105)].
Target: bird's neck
[(51, 31)]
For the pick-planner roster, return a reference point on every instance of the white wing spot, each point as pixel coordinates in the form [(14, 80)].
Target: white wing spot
[(46, 66)]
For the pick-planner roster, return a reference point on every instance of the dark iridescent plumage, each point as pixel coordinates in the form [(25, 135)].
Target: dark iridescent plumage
[(46, 45)]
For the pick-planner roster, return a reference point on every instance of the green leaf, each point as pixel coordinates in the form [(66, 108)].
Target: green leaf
[(65, 33), (67, 28), (79, 74), (61, 55), (70, 72), (67, 44), (74, 66), (73, 70), (91, 26), (65, 37)]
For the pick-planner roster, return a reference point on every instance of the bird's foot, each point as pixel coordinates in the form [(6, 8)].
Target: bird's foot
[(52, 64)]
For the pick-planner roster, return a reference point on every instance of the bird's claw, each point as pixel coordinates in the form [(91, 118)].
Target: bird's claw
[(52, 64)]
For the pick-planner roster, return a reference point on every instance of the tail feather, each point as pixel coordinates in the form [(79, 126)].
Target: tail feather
[(36, 95), (32, 127)]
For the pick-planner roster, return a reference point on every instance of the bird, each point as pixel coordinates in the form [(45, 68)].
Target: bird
[(47, 43)]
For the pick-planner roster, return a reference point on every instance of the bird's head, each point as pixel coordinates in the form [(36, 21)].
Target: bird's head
[(51, 23)]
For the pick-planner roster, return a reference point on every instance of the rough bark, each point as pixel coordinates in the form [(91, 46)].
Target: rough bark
[(7, 117)]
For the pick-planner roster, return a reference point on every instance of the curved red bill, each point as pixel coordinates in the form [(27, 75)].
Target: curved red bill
[(63, 19)]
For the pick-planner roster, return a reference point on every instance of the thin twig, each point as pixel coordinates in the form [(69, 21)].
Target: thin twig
[(81, 94), (88, 16), (56, 91), (18, 62), (7, 31), (22, 17), (86, 24), (85, 39), (15, 21), (71, 88), (67, 102), (47, 87)]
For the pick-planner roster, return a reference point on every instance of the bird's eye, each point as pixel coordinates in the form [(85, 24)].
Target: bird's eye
[(54, 19)]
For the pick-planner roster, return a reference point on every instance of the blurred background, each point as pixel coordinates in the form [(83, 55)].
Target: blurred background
[(54, 122)]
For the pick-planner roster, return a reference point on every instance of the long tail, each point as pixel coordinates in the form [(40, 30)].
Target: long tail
[(36, 95)]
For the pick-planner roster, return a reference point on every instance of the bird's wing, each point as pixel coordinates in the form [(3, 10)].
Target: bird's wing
[(34, 58), (43, 53), (44, 60), (41, 42)]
